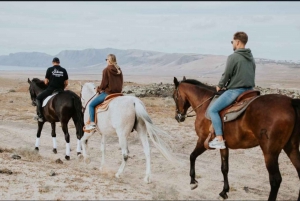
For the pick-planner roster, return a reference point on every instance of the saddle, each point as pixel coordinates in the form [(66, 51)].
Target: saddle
[(232, 111), (103, 107)]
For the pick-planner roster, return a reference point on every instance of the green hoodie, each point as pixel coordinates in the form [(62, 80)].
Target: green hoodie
[(239, 71)]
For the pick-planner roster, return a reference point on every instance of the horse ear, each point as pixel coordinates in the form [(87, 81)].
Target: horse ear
[(28, 81), (80, 85), (176, 82), (184, 78)]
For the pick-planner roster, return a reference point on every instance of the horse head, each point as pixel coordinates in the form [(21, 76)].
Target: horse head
[(88, 90), (36, 86), (181, 101)]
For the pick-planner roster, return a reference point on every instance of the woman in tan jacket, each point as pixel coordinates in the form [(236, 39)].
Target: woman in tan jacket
[(112, 82)]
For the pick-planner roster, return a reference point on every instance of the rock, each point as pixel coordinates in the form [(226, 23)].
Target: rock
[(11, 101), (59, 161), (5, 171), (52, 173), (16, 156)]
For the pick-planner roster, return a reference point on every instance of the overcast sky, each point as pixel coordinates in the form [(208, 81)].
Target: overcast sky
[(273, 28)]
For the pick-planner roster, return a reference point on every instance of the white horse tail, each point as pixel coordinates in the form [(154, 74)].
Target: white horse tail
[(144, 118)]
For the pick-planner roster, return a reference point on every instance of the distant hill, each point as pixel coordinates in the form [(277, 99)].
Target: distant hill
[(142, 62)]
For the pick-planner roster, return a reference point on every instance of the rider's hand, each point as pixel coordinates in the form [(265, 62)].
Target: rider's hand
[(218, 88)]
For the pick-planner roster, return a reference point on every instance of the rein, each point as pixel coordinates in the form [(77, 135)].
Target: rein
[(87, 102), (196, 108)]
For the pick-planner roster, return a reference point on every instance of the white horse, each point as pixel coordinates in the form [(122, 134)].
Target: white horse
[(124, 114)]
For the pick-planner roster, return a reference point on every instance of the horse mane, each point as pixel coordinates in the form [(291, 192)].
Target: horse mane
[(39, 83), (198, 83)]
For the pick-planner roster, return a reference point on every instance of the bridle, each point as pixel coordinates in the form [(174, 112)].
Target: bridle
[(193, 109)]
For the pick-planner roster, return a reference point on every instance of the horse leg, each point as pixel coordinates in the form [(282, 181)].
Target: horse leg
[(225, 168), (141, 129), (123, 145), (38, 135), (271, 160), (78, 149), (53, 134), (103, 152), (84, 143), (293, 153), (67, 138), (197, 151)]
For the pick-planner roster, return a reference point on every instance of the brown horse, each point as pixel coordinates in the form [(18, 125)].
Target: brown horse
[(271, 121)]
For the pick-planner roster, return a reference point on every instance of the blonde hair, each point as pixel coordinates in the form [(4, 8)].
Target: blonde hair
[(113, 61)]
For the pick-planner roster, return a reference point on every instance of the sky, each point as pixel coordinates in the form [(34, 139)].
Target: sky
[(273, 28)]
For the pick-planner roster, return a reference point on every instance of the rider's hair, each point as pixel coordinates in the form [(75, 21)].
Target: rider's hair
[(113, 60), (56, 60), (241, 36)]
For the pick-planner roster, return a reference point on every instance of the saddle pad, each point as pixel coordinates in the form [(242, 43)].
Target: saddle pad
[(104, 106), (235, 111), (47, 99)]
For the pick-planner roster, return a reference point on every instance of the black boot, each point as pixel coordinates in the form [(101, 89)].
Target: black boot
[(39, 111)]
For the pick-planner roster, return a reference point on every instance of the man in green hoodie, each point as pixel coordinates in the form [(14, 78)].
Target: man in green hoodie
[(237, 78)]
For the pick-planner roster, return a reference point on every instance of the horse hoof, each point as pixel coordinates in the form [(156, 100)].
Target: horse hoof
[(147, 180), (117, 175), (67, 158), (78, 153), (87, 160), (55, 151), (37, 149), (193, 186), (223, 196)]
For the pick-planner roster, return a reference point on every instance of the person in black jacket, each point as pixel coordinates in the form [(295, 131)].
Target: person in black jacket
[(57, 79)]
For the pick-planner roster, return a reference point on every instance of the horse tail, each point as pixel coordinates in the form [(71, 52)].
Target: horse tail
[(142, 117), (79, 122)]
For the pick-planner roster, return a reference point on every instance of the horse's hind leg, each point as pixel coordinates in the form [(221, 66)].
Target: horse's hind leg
[(53, 134), (271, 160), (38, 135), (123, 144), (67, 138), (292, 150), (75, 120), (224, 169), (141, 129)]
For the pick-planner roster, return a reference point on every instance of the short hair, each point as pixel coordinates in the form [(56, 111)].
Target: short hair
[(242, 36), (55, 60)]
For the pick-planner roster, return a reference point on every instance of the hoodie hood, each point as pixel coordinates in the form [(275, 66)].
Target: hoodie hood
[(113, 70), (245, 53)]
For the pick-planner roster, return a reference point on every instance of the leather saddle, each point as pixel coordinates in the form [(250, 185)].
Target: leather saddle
[(232, 111)]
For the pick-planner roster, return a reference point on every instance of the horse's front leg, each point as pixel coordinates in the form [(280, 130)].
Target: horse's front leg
[(53, 134), (199, 149), (103, 152), (64, 126), (84, 143), (38, 135), (225, 169)]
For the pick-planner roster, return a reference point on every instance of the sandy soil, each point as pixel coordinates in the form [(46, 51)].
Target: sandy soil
[(75, 180)]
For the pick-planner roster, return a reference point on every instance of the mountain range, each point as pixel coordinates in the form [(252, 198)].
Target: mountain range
[(144, 62)]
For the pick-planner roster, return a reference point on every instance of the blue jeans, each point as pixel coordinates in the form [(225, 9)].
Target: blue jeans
[(223, 101), (99, 99)]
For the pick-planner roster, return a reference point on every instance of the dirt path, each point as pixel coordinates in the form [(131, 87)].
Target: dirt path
[(73, 180)]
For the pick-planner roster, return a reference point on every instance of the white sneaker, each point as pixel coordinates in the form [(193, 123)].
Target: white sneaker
[(215, 143), (90, 127)]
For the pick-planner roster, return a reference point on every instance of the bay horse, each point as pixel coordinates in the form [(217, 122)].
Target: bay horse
[(271, 121), (60, 108), (124, 114)]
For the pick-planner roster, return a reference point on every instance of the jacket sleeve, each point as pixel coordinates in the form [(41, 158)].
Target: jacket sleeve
[(104, 81), (227, 73)]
